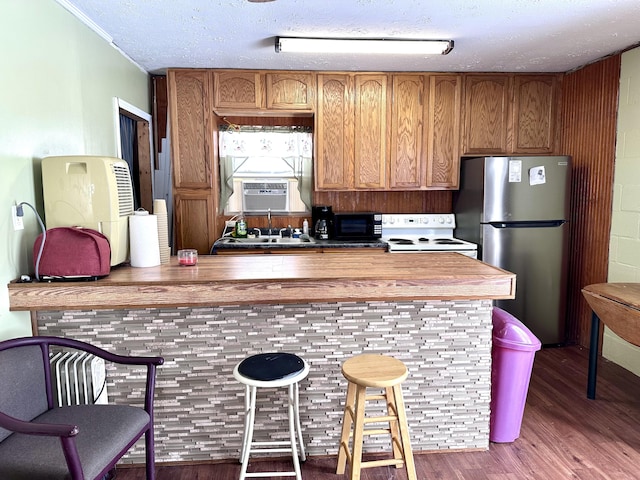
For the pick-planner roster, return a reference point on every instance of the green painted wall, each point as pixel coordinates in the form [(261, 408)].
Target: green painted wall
[(624, 248), (57, 89)]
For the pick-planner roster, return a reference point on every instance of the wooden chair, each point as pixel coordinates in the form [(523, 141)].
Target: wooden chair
[(380, 372), (39, 440)]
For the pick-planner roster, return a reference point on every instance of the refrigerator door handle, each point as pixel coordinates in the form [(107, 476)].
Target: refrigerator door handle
[(528, 224)]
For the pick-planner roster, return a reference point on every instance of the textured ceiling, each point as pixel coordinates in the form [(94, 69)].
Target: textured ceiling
[(489, 35)]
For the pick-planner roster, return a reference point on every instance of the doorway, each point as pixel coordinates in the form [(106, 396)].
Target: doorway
[(134, 145)]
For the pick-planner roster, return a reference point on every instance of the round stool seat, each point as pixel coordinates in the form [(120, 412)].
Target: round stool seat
[(373, 370), (271, 369)]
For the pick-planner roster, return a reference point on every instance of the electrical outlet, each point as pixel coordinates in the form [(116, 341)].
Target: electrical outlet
[(230, 223), (18, 224)]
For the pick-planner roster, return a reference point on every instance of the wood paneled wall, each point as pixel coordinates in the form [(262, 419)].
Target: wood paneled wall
[(589, 117)]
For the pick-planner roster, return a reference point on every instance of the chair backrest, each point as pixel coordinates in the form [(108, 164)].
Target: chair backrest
[(23, 393)]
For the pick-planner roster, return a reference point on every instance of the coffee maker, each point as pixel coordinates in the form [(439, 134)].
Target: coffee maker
[(322, 217)]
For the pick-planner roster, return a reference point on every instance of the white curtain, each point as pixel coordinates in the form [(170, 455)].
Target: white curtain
[(240, 145)]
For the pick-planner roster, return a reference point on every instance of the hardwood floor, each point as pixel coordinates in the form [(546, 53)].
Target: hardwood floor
[(563, 435)]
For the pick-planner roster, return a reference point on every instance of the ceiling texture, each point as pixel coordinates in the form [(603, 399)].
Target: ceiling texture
[(489, 35)]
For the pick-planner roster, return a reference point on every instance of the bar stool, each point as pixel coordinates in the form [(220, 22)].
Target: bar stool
[(382, 372), (271, 370)]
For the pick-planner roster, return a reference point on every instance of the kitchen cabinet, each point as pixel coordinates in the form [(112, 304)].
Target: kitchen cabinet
[(290, 91), (192, 149), (351, 132), (425, 132), (535, 113), (486, 114), (443, 131), (371, 131), (407, 169), (238, 89), (510, 114), (334, 132)]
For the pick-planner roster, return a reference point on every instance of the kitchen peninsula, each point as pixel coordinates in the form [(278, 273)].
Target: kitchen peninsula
[(432, 311)]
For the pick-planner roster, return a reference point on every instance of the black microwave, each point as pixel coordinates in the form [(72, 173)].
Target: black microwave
[(357, 226)]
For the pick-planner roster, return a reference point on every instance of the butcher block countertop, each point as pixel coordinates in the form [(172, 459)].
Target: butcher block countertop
[(274, 279)]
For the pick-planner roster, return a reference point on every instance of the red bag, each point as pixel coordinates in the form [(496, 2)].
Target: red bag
[(73, 252)]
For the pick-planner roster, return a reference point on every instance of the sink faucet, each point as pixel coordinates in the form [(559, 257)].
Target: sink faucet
[(269, 222)]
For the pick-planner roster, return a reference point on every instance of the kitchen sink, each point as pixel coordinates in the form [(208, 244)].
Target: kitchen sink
[(267, 240), (290, 240)]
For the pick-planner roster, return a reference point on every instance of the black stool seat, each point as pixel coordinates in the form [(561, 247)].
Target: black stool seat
[(266, 367)]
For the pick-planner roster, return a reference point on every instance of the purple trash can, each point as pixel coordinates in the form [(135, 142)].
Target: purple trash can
[(512, 355)]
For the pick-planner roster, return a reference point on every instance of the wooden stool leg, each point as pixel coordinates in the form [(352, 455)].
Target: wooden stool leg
[(392, 409), (404, 433), (358, 432), (343, 448)]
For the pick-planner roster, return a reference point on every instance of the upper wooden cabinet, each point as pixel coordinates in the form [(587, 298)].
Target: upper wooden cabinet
[(351, 132), (291, 90), (371, 131), (190, 113), (486, 114), (510, 114), (407, 159), (534, 113), (425, 132), (238, 89), (443, 132), (251, 91), (334, 133)]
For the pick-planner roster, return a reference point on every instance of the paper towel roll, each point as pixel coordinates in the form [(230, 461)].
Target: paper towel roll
[(143, 239)]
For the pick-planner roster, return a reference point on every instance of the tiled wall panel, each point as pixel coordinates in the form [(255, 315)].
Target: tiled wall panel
[(445, 345)]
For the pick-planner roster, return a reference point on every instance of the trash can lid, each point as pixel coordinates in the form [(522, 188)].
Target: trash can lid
[(511, 333)]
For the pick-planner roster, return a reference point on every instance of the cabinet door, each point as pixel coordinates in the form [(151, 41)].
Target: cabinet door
[(371, 127), (195, 215), (238, 90), (406, 168), (189, 101), (534, 113), (443, 132), (334, 133), (486, 114), (290, 91)]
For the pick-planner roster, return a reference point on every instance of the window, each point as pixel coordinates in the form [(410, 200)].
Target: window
[(279, 158)]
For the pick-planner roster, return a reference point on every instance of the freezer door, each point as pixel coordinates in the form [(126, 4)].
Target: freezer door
[(526, 188), (537, 255)]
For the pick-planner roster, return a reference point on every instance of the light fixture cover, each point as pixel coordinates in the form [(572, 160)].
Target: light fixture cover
[(360, 45)]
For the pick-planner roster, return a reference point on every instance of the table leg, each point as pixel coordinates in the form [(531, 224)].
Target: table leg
[(593, 356)]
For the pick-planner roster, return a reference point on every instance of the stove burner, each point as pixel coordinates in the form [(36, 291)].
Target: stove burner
[(447, 241), (401, 241)]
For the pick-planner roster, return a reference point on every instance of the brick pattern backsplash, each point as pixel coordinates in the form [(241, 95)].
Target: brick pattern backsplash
[(446, 346)]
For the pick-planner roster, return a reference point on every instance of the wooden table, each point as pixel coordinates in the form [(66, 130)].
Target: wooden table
[(618, 306)]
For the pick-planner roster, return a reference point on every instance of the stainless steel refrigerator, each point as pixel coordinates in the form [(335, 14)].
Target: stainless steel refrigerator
[(516, 209)]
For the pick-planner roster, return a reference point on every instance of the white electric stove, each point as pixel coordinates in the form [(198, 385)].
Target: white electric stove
[(424, 232)]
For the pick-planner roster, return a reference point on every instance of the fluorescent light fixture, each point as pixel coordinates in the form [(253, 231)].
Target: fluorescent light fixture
[(368, 45)]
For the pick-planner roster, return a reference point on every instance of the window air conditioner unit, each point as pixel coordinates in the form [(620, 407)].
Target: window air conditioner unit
[(259, 196)]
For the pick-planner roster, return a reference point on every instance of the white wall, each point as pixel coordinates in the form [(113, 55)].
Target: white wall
[(56, 98), (624, 257)]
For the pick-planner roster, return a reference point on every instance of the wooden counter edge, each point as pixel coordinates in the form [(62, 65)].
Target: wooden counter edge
[(73, 296)]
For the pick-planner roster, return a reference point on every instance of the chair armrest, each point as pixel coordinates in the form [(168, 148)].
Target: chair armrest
[(33, 428)]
